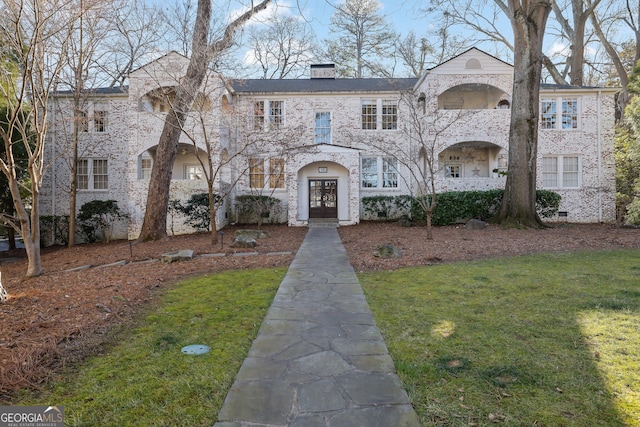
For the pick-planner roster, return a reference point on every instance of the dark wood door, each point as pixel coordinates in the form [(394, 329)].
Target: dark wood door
[(323, 198)]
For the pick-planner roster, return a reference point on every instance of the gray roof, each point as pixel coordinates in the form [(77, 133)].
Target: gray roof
[(322, 85), (118, 90)]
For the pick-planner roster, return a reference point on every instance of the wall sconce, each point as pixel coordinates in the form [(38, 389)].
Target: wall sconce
[(184, 151), (502, 161)]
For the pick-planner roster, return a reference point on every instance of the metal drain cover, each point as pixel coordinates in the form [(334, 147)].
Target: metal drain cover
[(195, 349)]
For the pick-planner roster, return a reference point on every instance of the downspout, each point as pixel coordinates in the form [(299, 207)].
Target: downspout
[(53, 169), (599, 142)]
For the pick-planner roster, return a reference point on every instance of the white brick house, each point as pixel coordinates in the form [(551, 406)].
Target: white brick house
[(322, 144)]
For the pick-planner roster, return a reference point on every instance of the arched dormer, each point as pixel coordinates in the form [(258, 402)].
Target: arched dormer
[(471, 96)]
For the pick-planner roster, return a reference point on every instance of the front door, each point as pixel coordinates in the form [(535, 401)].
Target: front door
[(323, 198)]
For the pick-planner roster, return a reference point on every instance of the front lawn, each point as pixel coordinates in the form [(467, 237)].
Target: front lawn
[(145, 379), (549, 340)]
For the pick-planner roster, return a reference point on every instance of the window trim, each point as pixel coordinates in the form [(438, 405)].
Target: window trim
[(378, 176), (371, 108), (325, 138), (90, 181), (556, 119), (560, 174)]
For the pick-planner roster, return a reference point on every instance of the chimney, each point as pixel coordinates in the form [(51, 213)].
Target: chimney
[(323, 71)]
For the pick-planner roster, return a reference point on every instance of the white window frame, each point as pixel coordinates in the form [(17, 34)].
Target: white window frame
[(554, 113), (384, 119), (449, 170), (100, 118), (560, 174), (193, 172), (88, 169), (272, 117), (145, 172), (382, 172), (322, 132)]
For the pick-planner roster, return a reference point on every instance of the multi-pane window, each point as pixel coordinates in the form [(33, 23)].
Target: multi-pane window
[(369, 172), (452, 171), (276, 173), (268, 114), (323, 127), (258, 115), (389, 172), (83, 121), (569, 113), (548, 114), (379, 172), (256, 173), (146, 163), (193, 172), (100, 120), (92, 174), (560, 172), (389, 115), (379, 114), (276, 114), (369, 114), (565, 117)]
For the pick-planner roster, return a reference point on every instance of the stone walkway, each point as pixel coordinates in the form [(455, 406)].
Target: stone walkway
[(318, 359)]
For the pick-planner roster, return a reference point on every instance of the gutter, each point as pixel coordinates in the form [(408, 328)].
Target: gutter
[(599, 154)]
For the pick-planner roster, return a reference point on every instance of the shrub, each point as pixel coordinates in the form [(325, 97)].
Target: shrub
[(457, 206), (386, 207), (255, 209), (96, 219), (196, 210)]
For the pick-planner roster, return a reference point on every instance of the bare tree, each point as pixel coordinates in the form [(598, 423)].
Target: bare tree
[(132, 37), (282, 47), (37, 33), (528, 19), (415, 53), (364, 38), (84, 55), (203, 51)]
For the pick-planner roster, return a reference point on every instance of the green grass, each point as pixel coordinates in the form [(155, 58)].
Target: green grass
[(145, 380), (548, 340)]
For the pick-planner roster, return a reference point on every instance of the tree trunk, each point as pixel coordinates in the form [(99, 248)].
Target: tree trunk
[(154, 226), (519, 201)]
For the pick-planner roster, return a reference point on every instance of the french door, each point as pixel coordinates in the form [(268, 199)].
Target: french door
[(323, 198)]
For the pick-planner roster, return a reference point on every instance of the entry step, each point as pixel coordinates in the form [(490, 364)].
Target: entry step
[(323, 223)]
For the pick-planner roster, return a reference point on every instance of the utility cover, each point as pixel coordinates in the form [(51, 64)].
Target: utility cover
[(195, 349)]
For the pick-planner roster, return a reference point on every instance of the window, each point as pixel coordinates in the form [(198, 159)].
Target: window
[(369, 114), (323, 127), (146, 163), (258, 115), (389, 172), (560, 172), (369, 172), (100, 120), (389, 115), (379, 114), (193, 172), (83, 121), (569, 113), (548, 114), (92, 174), (378, 171), (452, 171), (276, 114), (256, 173), (276, 173), (551, 117)]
